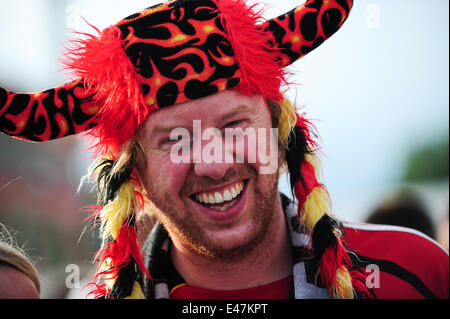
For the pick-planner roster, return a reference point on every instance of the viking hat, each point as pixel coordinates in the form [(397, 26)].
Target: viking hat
[(169, 54), (165, 55)]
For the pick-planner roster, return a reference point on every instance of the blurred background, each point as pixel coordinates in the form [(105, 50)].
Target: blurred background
[(377, 92)]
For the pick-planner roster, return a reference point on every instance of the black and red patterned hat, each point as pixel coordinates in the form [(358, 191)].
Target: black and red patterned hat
[(164, 55)]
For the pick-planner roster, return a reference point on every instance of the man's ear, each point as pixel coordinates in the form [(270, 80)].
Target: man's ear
[(135, 154), (282, 165), (135, 151), (275, 115), (275, 112)]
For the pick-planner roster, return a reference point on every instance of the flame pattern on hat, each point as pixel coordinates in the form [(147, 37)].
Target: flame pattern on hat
[(165, 55)]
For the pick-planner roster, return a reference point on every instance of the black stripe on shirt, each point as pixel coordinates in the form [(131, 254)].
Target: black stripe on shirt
[(401, 273)]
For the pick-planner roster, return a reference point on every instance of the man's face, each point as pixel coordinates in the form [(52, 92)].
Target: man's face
[(208, 203)]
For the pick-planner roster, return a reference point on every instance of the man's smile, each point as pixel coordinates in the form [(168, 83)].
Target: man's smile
[(221, 196), (222, 203)]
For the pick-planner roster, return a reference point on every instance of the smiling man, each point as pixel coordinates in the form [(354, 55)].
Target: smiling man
[(223, 216), (221, 205), (185, 102)]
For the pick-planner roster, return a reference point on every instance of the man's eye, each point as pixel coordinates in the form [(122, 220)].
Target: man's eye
[(235, 123), (169, 140)]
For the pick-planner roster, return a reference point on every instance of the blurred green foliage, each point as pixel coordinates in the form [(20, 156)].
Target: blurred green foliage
[(430, 162)]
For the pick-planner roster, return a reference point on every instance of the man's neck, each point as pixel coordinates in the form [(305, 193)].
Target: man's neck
[(270, 261)]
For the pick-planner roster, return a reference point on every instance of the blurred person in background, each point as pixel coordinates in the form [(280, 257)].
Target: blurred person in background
[(19, 278), (223, 229), (406, 210)]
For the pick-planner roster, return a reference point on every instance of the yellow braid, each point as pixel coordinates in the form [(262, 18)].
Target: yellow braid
[(343, 288), (314, 161), (316, 205), (288, 118), (117, 211), (136, 293), (112, 217), (318, 201)]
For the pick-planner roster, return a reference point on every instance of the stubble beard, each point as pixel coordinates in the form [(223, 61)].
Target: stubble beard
[(189, 233)]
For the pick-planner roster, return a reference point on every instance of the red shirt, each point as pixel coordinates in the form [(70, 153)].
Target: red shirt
[(275, 290), (411, 265)]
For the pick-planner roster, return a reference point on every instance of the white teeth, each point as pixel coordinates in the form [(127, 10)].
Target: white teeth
[(220, 197), (233, 192), (224, 207), (227, 196)]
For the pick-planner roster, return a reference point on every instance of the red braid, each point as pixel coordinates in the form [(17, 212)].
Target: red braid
[(333, 259)]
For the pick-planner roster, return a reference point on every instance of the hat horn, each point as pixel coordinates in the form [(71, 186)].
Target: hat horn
[(46, 115), (306, 27), (71, 108)]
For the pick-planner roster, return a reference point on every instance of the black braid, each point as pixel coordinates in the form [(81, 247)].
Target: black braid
[(123, 286), (108, 184), (323, 236), (297, 147), (126, 276)]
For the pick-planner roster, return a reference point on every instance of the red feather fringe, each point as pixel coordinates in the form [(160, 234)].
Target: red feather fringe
[(253, 49), (107, 71), (119, 254), (307, 128), (360, 285), (335, 257), (93, 219)]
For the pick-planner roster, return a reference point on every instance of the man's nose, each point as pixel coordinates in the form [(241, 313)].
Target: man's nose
[(212, 159), (213, 170)]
